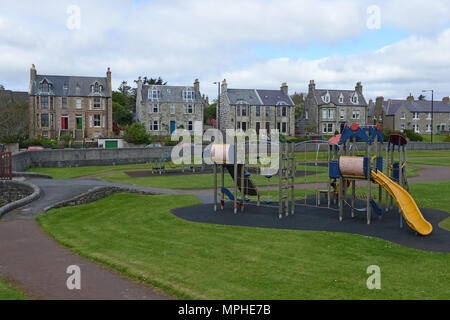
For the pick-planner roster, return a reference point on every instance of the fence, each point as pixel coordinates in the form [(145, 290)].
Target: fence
[(5, 166)]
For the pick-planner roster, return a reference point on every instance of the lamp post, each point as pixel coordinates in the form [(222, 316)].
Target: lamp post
[(218, 105), (432, 111)]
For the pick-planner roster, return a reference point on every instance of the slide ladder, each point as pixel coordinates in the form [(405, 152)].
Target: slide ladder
[(406, 203)]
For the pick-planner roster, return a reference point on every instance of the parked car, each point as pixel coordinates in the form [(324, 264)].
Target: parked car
[(35, 148), (154, 145)]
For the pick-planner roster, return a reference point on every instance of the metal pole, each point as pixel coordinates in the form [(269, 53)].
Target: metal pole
[(432, 114), (369, 184), (235, 175), (293, 170), (215, 187), (280, 181)]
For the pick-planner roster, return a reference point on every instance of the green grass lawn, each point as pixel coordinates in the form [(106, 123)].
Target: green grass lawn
[(436, 137), (8, 293), (201, 261), (439, 161)]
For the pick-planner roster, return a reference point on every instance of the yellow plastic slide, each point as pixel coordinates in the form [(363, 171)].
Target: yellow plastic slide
[(406, 203)]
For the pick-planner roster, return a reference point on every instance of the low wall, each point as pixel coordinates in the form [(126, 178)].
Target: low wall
[(109, 157), (85, 157), (15, 194)]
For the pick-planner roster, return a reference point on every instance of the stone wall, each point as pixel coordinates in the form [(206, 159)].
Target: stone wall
[(11, 191), (14, 194), (94, 195), (85, 157)]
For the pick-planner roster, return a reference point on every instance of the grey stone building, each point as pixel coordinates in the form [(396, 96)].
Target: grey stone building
[(163, 109), (328, 110), (256, 109), (411, 114), (70, 105)]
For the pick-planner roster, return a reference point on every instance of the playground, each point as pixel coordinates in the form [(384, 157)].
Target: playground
[(240, 234)]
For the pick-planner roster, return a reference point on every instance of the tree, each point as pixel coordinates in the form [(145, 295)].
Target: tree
[(14, 122), (421, 97), (299, 102), (210, 113), (137, 134), (156, 81)]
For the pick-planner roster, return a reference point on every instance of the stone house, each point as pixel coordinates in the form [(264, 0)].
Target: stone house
[(328, 110), (70, 105), (411, 114), (163, 109), (256, 109)]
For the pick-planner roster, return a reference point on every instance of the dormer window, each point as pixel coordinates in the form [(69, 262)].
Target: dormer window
[(65, 87), (326, 98), (78, 89), (153, 94), (188, 94), (341, 98), (355, 99), (45, 86)]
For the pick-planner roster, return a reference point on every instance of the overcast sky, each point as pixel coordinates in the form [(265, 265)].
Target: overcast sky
[(393, 47)]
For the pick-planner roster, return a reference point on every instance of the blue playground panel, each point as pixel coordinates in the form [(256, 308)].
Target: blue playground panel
[(335, 173)]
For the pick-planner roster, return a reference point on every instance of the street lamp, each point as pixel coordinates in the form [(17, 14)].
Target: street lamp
[(432, 111), (218, 105)]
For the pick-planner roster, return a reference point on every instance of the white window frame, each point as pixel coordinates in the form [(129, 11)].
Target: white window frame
[(402, 128), (342, 114), (416, 128), (356, 114), (324, 114), (99, 121), (416, 116), (99, 106), (189, 108), (355, 99), (341, 98), (403, 115), (155, 106), (188, 94), (172, 109), (78, 103), (429, 116), (428, 128)]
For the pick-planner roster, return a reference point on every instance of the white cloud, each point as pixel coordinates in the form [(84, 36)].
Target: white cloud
[(181, 40), (410, 65)]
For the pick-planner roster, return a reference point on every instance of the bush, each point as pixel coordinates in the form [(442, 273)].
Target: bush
[(447, 139), (386, 132), (137, 134), (413, 136), (43, 142)]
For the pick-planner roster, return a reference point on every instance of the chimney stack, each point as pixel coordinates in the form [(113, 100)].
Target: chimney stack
[(446, 99), (312, 86), (197, 85), (285, 88), (359, 87), (224, 85), (410, 97)]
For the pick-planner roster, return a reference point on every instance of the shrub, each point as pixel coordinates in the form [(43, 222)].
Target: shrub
[(413, 136), (137, 134)]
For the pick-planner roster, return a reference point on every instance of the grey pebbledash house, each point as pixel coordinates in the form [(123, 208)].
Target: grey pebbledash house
[(163, 109), (411, 114), (257, 108), (328, 110)]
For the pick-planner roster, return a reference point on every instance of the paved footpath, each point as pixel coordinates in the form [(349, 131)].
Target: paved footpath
[(37, 264)]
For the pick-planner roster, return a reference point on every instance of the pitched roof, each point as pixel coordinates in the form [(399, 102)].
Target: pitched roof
[(335, 94), (168, 94), (58, 84), (391, 106), (258, 97)]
